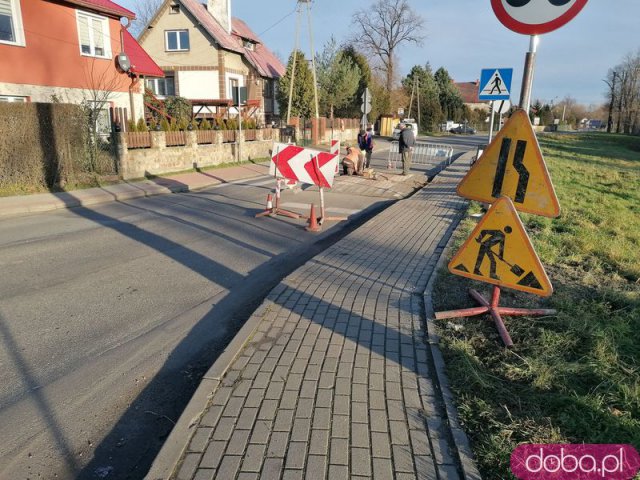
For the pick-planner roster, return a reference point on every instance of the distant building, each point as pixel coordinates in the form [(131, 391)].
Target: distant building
[(65, 51), (469, 92), (205, 53)]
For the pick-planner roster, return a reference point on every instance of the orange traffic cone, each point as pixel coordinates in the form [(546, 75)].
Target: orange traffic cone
[(268, 210), (313, 221)]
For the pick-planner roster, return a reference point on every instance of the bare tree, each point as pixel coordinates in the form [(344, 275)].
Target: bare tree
[(383, 28), (145, 10)]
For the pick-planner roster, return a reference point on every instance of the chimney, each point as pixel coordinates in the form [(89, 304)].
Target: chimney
[(221, 11)]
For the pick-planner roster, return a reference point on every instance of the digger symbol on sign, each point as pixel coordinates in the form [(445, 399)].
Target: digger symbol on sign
[(487, 240), (499, 251)]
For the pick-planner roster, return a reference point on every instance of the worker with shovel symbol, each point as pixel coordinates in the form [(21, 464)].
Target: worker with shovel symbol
[(488, 239)]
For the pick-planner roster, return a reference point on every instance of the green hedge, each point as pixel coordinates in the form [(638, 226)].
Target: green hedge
[(43, 146)]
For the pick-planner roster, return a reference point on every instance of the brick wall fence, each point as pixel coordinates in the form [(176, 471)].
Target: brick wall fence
[(157, 153)]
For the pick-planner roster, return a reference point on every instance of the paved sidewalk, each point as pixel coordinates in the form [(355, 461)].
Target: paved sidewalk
[(184, 182), (334, 377)]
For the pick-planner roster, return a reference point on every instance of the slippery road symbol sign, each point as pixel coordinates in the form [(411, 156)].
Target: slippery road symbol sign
[(512, 165), (499, 252)]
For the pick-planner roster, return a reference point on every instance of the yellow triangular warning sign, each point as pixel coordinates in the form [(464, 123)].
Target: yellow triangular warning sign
[(512, 165), (499, 252)]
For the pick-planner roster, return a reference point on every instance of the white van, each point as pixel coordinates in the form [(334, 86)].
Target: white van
[(410, 123)]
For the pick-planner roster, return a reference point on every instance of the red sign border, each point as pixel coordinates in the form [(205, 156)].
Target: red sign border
[(530, 29)]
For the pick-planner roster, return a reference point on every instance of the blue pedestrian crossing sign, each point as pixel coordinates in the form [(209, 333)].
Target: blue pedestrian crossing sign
[(495, 84)]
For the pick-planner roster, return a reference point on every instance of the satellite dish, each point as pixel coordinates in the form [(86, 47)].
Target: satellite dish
[(123, 63)]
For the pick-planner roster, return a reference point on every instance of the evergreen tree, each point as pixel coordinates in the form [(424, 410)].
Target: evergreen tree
[(425, 85), (449, 97), (352, 108), (338, 78), (302, 103)]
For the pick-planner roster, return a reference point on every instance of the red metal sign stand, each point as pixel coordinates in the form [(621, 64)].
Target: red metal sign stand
[(495, 311), (275, 209)]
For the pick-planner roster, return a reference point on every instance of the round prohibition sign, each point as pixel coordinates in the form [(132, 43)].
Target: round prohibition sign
[(535, 17)]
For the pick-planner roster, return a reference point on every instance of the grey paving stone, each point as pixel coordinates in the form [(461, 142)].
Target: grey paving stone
[(379, 421), (254, 398), (272, 469), (224, 429), (284, 421), (359, 412), (274, 391), (402, 459), (339, 451), (229, 466), (316, 467), (340, 426), (361, 462), (268, 410), (261, 432), (301, 429), (210, 419), (319, 443), (380, 445), (341, 405), (322, 418), (292, 475), (382, 469), (425, 468), (324, 398), (247, 418), (234, 405), (238, 442), (247, 476), (189, 465), (399, 433), (305, 408), (200, 439), (338, 472), (278, 444), (204, 474), (213, 455), (420, 442), (296, 455), (253, 458), (360, 435)]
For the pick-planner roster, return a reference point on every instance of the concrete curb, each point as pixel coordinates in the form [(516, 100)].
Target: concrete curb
[(460, 439), (44, 202), (167, 460)]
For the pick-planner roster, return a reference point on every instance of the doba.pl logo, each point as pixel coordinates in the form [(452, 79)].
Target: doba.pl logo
[(575, 462)]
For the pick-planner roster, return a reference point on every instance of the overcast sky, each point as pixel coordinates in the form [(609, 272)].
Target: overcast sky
[(464, 36)]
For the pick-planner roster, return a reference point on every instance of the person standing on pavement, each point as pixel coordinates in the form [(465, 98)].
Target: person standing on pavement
[(365, 143), (407, 141)]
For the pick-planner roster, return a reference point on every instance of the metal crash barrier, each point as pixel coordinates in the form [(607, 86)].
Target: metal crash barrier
[(423, 154)]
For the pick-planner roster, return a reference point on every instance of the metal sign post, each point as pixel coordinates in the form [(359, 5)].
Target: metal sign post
[(527, 76)]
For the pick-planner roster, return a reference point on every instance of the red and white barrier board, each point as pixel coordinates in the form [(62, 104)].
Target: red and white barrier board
[(303, 164)]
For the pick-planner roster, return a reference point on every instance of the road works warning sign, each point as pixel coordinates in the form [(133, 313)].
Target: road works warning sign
[(512, 165), (499, 252)]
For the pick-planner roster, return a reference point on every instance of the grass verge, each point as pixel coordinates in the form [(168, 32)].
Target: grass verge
[(574, 377)]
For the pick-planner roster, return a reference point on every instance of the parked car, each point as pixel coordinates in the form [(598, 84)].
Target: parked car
[(463, 129), (408, 122)]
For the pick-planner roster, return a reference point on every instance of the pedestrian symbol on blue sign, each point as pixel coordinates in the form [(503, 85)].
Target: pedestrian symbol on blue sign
[(495, 84)]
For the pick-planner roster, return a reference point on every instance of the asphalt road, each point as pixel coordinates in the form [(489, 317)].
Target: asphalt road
[(110, 316)]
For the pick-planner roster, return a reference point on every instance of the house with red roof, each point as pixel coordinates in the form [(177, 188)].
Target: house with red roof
[(67, 51), (205, 53), (469, 92)]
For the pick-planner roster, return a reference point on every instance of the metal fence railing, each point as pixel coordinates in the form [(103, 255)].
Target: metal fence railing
[(427, 154)]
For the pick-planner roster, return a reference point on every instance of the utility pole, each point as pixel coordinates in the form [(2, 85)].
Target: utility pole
[(613, 97)]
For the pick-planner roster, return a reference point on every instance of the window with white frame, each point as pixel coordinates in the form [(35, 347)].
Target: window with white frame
[(12, 98), (162, 87), (93, 35), (176, 40), (11, 22)]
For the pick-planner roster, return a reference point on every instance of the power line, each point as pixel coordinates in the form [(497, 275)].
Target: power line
[(278, 22)]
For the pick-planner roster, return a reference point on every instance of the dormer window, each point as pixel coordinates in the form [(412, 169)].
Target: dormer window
[(249, 45)]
